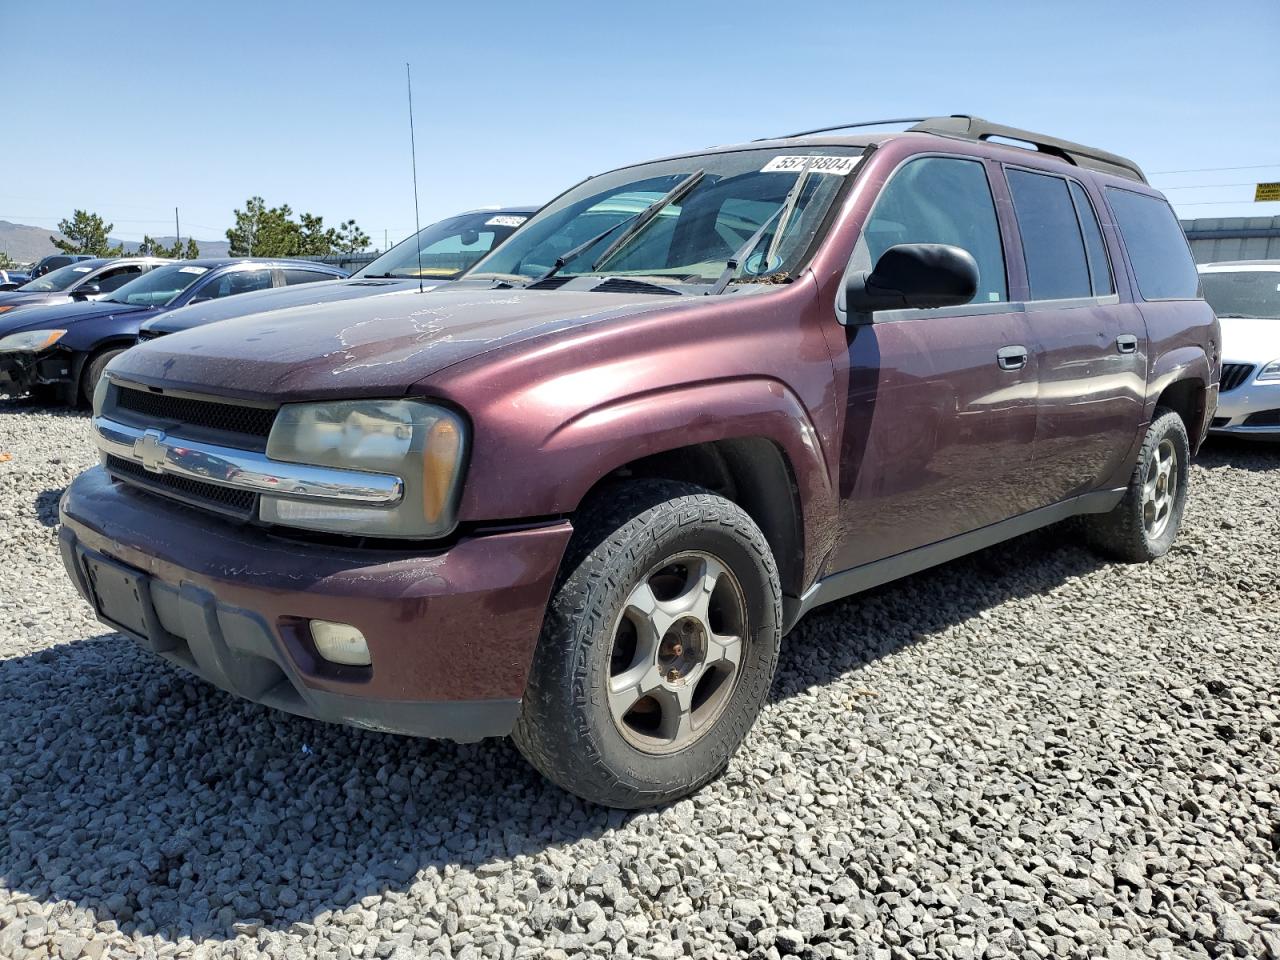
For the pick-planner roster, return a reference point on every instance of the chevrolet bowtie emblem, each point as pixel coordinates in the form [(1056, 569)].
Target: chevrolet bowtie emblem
[(151, 449)]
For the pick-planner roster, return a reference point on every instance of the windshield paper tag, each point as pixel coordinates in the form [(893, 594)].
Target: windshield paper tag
[(81, 269), (818, 163), (505, 221), (195, 270)]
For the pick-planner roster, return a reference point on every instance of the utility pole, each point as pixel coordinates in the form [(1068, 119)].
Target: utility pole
[(177, 230), (385, 245)]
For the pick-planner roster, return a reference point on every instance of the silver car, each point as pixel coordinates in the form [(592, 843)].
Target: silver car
[(1245, 294)]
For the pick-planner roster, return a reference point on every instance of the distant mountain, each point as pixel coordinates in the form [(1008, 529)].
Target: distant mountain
[(27, 244)]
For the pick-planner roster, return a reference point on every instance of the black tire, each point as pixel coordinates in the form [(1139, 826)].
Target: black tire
[(1123, 533), (566, 728), (93, 372)]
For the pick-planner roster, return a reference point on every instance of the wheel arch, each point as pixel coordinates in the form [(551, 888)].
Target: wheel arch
[(754, 473)]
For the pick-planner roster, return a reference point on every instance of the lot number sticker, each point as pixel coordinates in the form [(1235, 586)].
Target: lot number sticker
[(818, 163), (505, 221)]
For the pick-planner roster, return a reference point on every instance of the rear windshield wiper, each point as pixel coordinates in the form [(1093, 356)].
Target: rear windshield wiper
[(783, 213), (637, 221)]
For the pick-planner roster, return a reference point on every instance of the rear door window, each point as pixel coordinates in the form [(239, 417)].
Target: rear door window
[(940, 200), (1052, 245), (1157, 246)]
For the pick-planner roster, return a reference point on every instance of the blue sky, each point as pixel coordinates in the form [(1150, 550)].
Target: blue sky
[(129, 111)]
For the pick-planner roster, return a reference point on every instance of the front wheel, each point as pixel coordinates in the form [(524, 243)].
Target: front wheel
[(93, 373), (1143, 526), (658, 648)]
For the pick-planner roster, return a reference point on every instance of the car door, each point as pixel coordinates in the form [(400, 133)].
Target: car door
[(1092, 346), (940, 416)]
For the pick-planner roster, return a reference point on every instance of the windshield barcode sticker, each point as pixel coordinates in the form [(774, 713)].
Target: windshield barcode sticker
[(818, 163), (505, 221), (196, 270)]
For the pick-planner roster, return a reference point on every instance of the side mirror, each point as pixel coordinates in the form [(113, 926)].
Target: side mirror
[(9, 285), (202, 299), (86, 290), (913, 275)]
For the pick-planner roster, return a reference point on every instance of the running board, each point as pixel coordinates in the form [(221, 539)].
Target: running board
[(837, 586)]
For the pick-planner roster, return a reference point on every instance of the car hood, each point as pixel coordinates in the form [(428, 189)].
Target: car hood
[(277, 298), (374, 346), (20, 297), (52, 315), (1250, 341)]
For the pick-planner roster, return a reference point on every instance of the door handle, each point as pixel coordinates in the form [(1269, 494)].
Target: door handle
[(1127, 343), (1011, 358)]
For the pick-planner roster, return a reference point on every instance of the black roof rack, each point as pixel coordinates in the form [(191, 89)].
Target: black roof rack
[(966, 127), (849, 126)]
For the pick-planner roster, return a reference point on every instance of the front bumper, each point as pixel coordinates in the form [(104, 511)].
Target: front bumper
[(21, 372), (1250, 410), (451, 634)]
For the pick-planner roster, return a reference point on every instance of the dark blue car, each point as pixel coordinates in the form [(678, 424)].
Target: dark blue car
[(65, 347)]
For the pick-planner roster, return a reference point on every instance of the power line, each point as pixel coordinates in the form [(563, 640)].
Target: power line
[(1259, 166), (1209, 186)]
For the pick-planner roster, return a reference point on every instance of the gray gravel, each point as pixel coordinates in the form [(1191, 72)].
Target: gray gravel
[(1027, 753)]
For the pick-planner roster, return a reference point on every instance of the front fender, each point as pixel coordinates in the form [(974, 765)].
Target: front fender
[(554, 474)]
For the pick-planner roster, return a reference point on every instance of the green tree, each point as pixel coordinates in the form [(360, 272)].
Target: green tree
[(151, 247), (263, 231), (349, 238), (86, 232), (7, 262)]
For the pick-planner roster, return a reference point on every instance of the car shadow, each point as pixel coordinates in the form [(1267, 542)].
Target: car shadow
[(1258, 456), (161, 803), (47, 506)]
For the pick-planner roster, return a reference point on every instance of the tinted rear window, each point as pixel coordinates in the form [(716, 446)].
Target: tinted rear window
[(1157, 246)]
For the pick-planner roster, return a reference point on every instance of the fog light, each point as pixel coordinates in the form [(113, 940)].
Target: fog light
[(340, 643)]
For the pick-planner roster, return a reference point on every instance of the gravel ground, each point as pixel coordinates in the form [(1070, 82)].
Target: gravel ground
[(1027, 753)]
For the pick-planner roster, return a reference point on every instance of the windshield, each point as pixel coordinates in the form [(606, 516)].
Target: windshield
[(60, 279), (739, 195), (1243, 293), (448, 247), (158, 287)]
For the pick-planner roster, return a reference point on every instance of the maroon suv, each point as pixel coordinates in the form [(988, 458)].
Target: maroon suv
[(580, 496)]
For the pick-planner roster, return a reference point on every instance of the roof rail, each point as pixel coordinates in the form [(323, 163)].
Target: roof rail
[(848, 126), (965, 127)]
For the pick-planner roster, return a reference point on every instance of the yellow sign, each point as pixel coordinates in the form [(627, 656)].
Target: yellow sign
[(1266, 191)]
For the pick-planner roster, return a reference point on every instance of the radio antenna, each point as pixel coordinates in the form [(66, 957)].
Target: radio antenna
[(413, 152)]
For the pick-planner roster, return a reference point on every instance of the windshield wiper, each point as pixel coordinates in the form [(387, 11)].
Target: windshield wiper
[(674, 195), (637, 221), (784, 212)]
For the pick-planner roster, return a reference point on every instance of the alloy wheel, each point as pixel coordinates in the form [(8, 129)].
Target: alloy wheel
[(677, 650)]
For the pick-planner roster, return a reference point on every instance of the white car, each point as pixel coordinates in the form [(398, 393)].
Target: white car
[(1245, 294)]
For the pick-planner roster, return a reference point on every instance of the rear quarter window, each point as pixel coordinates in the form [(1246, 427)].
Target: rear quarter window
[(1157, 247)]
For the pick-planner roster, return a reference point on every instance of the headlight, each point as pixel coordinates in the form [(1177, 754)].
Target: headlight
[(422, 444), (32, 341), (1270, 372)]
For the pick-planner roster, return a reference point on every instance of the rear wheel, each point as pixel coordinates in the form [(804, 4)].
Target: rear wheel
[(93, 372), (658, 648), (1143, 526)]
